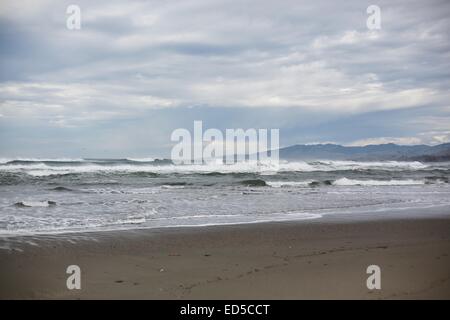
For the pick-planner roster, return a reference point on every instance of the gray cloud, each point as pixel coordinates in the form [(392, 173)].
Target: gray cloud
[(309, 68)]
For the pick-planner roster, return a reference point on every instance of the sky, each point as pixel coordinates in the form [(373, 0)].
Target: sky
[(137, 70)]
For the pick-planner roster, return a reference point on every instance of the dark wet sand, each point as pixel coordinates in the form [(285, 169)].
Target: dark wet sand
[(323, 259)]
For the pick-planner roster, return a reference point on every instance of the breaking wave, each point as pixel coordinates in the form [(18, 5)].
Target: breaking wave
[(352, 182), (48, 167), (62, 195), (30, 204)]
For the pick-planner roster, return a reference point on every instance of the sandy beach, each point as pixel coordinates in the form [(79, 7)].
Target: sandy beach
[(323, 259)]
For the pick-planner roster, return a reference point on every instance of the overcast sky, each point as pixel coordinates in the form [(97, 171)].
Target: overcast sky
[(136, 70)]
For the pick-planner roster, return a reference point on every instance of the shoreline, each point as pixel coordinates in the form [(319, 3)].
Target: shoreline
[(270, 260), (440, 211)]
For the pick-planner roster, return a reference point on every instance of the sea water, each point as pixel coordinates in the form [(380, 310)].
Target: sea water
[(45, 196)]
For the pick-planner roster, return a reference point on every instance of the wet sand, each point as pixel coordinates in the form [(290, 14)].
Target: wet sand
[(315, 259)]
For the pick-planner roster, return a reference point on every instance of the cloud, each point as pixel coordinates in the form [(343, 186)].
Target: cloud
[(429, 138), (350, 37), (133, 57)]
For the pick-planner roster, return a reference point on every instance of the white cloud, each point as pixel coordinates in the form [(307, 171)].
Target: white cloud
[(258, 54), (347, 38), (131, 59), (75, 102), (429, 138)]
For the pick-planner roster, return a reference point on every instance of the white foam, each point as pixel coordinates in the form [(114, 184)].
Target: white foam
[(141, 159), (172, 187), (352, 182), (137, 220), (150, 190), (279, 184), (266, 168), (62, 226), (35, 203), (328, 165), (45, 173), (4, 160)]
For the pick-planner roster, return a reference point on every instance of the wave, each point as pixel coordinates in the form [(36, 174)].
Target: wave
[(171, 186), (307, 183), (62, 226), (62, 189), (353, 182), (141, 159), (350, 182), (31, 160), (329, 165), (177, 183), (254, 183), (280, 184), (29, 204), (47, 167), (87, 161), (145, 190)]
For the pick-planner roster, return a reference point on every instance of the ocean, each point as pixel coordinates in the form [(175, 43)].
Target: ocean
[(48, 196)]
